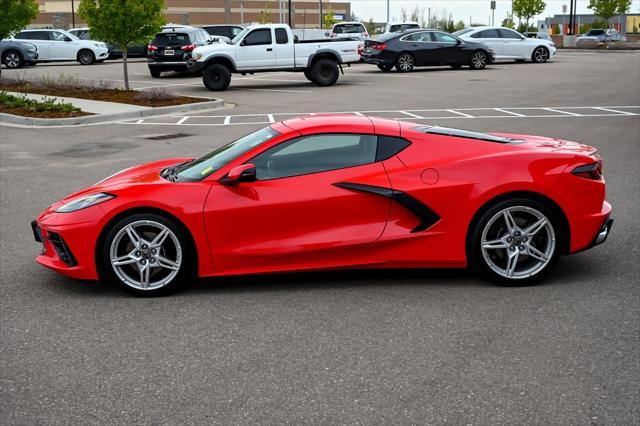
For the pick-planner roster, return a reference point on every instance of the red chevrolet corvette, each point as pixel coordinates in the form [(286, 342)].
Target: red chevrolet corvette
[(335, 191)]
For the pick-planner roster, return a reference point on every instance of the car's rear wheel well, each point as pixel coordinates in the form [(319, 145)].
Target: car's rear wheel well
[(192, 251), (546, 201), (222, 61)]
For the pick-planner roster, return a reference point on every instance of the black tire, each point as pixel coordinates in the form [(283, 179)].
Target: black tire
[(485, 261), (385, 67), (478, 60), (520, 61), (324, 72), (540, 55), (405, 62), (456, 66), (12, 59), (155, 73), (308, 76), (86, 57), (216, 77), (185, 273)]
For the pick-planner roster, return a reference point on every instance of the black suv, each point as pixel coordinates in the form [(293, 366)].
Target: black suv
[(171, 49)]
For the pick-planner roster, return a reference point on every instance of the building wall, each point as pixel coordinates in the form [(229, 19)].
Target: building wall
[(57, 13), (622, 23)]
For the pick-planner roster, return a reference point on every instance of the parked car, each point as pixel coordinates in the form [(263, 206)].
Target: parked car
[(272, 47), (601, 36), (537, 34), (349, 30), (60, 45), (114, 51), (424, 48), (16, 53), (222, 30), (331, 192), (171, 49), (399, 27), (509, 44)]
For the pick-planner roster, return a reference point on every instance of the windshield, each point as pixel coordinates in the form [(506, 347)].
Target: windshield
[(461, 32), (204, 166), (348, 29), (241, 34), (595, 32)]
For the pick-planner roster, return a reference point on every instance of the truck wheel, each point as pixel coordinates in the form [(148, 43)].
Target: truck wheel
[(324, 72), (307, 74), (155, 73), (216, 77)]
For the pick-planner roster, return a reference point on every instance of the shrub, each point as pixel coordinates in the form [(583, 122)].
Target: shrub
[(154, 94), (47, 104)]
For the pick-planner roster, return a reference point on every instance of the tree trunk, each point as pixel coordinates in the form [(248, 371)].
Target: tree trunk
[(124, 67)]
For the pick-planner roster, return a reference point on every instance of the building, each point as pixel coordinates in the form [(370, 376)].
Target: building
[(57, 13), (559, 24)]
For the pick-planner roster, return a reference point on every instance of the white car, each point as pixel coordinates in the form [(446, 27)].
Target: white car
[(509, 44), (60, 45), (400, 27), (349, 30)]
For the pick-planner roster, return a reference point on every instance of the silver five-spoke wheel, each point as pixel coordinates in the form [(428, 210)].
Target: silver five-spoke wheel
[(13, 60), (518, 242), (146, 255), (540, 55)]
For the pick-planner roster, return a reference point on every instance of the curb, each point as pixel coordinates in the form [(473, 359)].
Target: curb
[(103, 118)]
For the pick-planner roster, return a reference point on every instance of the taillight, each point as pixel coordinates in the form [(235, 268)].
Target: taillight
[(188, 47), (360, 47), (379, 46), (591, 171), (152, 48)]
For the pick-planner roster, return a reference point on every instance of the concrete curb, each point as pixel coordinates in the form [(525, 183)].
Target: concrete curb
[(104, 118)]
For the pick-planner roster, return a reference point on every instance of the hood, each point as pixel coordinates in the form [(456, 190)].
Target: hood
[(214, 48), (141, 174), (551, 144)]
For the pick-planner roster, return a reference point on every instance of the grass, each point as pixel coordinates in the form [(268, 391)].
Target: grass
[(64, 85), (47, 108)]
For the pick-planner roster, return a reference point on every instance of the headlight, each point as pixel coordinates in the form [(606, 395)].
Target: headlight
[(100, 45), (84, 202), (196, 56)]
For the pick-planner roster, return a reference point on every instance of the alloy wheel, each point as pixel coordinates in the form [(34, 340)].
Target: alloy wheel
[(541, 54), (405, 62), (146, 255), (12, 60), (518, 242), (479, 60)]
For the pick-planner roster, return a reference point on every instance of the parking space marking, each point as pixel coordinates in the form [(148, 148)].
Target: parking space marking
[(409, 115)]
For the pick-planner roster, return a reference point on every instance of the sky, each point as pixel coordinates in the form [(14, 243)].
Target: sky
[(478, 10)]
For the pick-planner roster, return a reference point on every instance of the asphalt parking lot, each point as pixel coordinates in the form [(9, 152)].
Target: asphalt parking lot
[(363, 347)]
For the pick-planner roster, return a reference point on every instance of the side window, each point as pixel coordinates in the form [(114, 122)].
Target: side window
[(314, 154), (235, 31), (444, 38), (57, 36), (281, 36), (511, 34), (424, 37), (486, 34), (388, 146), (258, 37)]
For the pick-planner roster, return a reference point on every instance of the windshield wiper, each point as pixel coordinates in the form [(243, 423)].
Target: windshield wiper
[(171, 173)]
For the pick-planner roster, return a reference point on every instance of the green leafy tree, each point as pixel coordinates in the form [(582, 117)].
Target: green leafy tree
[(370, 26), (329, 19), (15, 15), (459, 26), (606, 9), (527, 9), (123, 23)]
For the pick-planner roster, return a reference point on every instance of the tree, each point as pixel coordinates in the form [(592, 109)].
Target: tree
[(15, 15), (265, 14), (123, 23), (527, 9), (329, 19), (370, 26), (403, 14), (608, 8)]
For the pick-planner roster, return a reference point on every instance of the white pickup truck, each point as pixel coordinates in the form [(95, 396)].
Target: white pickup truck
[(266, 48)]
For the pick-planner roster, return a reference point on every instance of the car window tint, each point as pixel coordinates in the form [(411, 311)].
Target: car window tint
[(258, 37), (349, 29), (444, 38), (314, 154), (511, 34), (419, 36), (170, 39), (281, 36), (33, 35), (486, 34), (57, 36)]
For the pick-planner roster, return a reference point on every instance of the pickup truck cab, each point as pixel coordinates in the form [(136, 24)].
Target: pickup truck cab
[(272, 47)]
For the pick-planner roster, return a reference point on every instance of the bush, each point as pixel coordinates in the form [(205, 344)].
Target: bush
[(48, 104), (60, 82), (154, 94)]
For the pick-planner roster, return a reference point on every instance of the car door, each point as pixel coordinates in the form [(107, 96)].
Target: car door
[(284, 49), (447, 49), (491, 38), (514, 45), (421, 46), (256, 50), (62, 46), (301, 207)]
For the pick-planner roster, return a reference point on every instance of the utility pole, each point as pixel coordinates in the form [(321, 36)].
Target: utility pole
[(241, 12), (429, 20), (388, 11), (570, 32), (73, 15), (320, 14), (290, 6)]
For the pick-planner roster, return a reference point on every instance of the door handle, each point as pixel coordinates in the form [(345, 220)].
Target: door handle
[(269, 49)]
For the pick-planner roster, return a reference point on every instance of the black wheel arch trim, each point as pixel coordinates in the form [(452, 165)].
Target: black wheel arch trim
[(427, 217)]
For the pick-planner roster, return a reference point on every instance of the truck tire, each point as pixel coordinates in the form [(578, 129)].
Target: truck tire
[(216, 77), (308, 75), (325, 72)]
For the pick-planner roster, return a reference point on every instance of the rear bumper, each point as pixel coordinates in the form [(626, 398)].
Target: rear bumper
[(592, 230), (169, 66)]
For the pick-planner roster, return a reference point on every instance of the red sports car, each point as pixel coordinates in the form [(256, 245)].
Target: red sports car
[(335, 191)]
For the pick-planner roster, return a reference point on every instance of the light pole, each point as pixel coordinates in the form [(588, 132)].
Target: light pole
[(73, 15)]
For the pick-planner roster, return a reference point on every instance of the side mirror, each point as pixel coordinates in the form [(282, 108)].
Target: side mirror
[(327, 34), (243, 173), (243, 42)]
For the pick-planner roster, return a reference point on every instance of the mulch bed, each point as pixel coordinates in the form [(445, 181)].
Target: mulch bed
[(108, 95), (24, 112)]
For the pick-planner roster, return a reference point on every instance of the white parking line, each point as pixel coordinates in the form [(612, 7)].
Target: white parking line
[(614, 110), (182, 120), (271, 119), (460, 113), (562, 112), (411, 114), (509, 112)]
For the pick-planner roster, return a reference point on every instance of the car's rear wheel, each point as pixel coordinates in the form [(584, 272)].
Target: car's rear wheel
[(516, 242), (155, 73), (478, 60), (147, 255), (216, 77), (325, 72), (540, 55), (86, 57), (13, 59), (405, 62), (385, 67)]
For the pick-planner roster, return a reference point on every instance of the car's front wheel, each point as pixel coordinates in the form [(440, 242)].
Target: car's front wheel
[(216, 77), (540, 55), (86, 57), (147, 255), (13, 59), (478, 60), (516, 242)]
